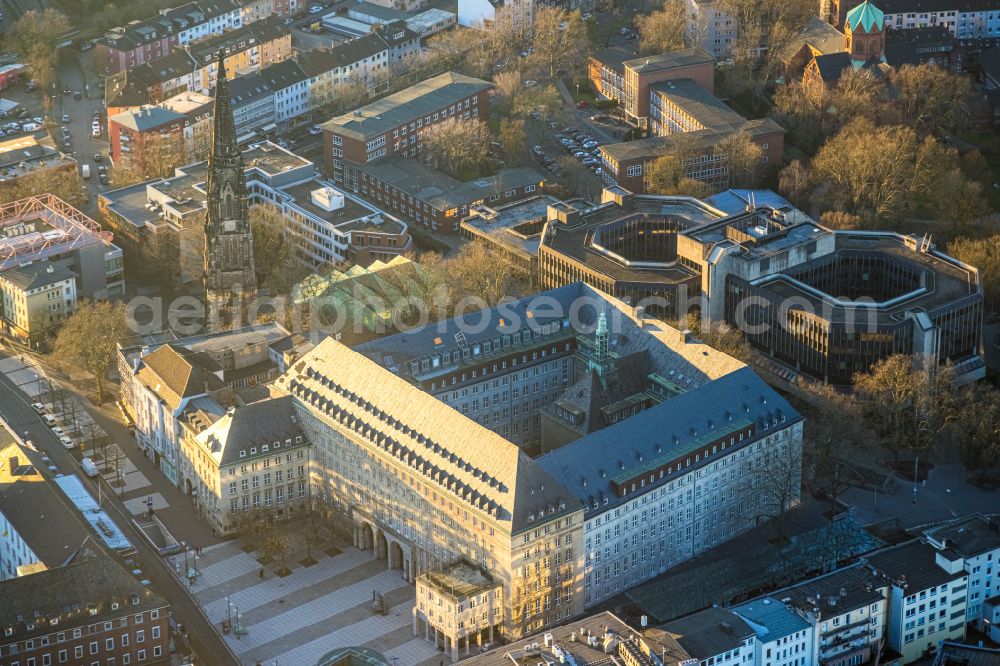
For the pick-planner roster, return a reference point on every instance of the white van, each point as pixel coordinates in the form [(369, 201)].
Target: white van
[(85, 171), (89, 468)]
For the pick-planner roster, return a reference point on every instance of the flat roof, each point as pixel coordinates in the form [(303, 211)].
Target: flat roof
[(944, 279), (500, 223), (654, 146), (572, 639), (913, 565), (573, 241), (353, 216), (460, 580)]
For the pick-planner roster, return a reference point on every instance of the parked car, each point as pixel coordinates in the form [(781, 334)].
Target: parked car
[(537, 150), (67, 442), (30, 127), (77, 95), (65, 118), (590, 145), (38, 407), (57, 431), (98, 157), (103, 178), (49, 420), (89, 468), (531, 83), (66, 91), (95, 131), (315, 129), (315, 9)]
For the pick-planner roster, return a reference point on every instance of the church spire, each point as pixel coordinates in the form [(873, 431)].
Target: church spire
[(230, 281)]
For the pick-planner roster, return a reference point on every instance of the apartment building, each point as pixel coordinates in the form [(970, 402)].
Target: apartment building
[(783, 636), (971, 23), (714, 636), (158, 381), (710, 26), (240, 460), (36, 298), (927, 595), (139, 42), (391, 127), (848, 609), (973, 542), (181, 121), (101, 614), (248, 49)]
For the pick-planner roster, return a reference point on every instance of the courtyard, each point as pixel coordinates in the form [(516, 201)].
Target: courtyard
[(296, 608)]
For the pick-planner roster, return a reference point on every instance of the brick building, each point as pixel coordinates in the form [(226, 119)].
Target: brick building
[(86, 612), (391, 127), (627, 164), (618, 76), (182, 121)]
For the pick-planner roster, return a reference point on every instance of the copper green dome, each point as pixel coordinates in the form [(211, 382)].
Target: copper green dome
[(866, 16)]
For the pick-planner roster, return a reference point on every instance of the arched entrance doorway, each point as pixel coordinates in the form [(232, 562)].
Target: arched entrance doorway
[(381, 546), (396, 556), (366, 536)]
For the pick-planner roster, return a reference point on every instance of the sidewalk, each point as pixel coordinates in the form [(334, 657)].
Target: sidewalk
[(142, 479)]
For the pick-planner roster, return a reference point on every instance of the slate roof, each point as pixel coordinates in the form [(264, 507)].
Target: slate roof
[(248, 88), (283, 75), (66, 593), (417, 100), (709, 632), (832, 65), (254, 426), (818, 35), (687, 364), (37, 274), (770, 619), (913, 565), (662, 433), (174, 372), (400, 421), (589, 396)]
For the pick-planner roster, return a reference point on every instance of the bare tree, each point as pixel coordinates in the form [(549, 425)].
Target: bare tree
[(664, 30), (513, 139), (88, 339), (744, 159), (777, 476), (560, 44), (483, 272), (932, 97), (457, 145)]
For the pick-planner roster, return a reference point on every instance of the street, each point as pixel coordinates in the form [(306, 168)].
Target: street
[(204, 641), (76, 74)]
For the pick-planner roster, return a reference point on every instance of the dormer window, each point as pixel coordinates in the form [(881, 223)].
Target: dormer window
[(264, 448), (243, 454), (298, 439), (253, 450)]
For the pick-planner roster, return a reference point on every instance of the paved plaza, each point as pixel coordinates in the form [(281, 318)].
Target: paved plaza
[(299, 618)]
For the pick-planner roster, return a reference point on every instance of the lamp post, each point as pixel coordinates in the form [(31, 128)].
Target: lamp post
[(916, 463)]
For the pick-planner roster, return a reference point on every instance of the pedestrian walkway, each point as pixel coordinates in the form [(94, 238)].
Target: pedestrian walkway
[(300, 617)]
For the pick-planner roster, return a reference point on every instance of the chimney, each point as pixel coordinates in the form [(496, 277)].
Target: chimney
[(13, 462)]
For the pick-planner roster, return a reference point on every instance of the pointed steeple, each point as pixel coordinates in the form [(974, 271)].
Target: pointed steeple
[(230, 280)]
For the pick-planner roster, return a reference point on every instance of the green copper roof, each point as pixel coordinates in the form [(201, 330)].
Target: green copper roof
[(867, 16)]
